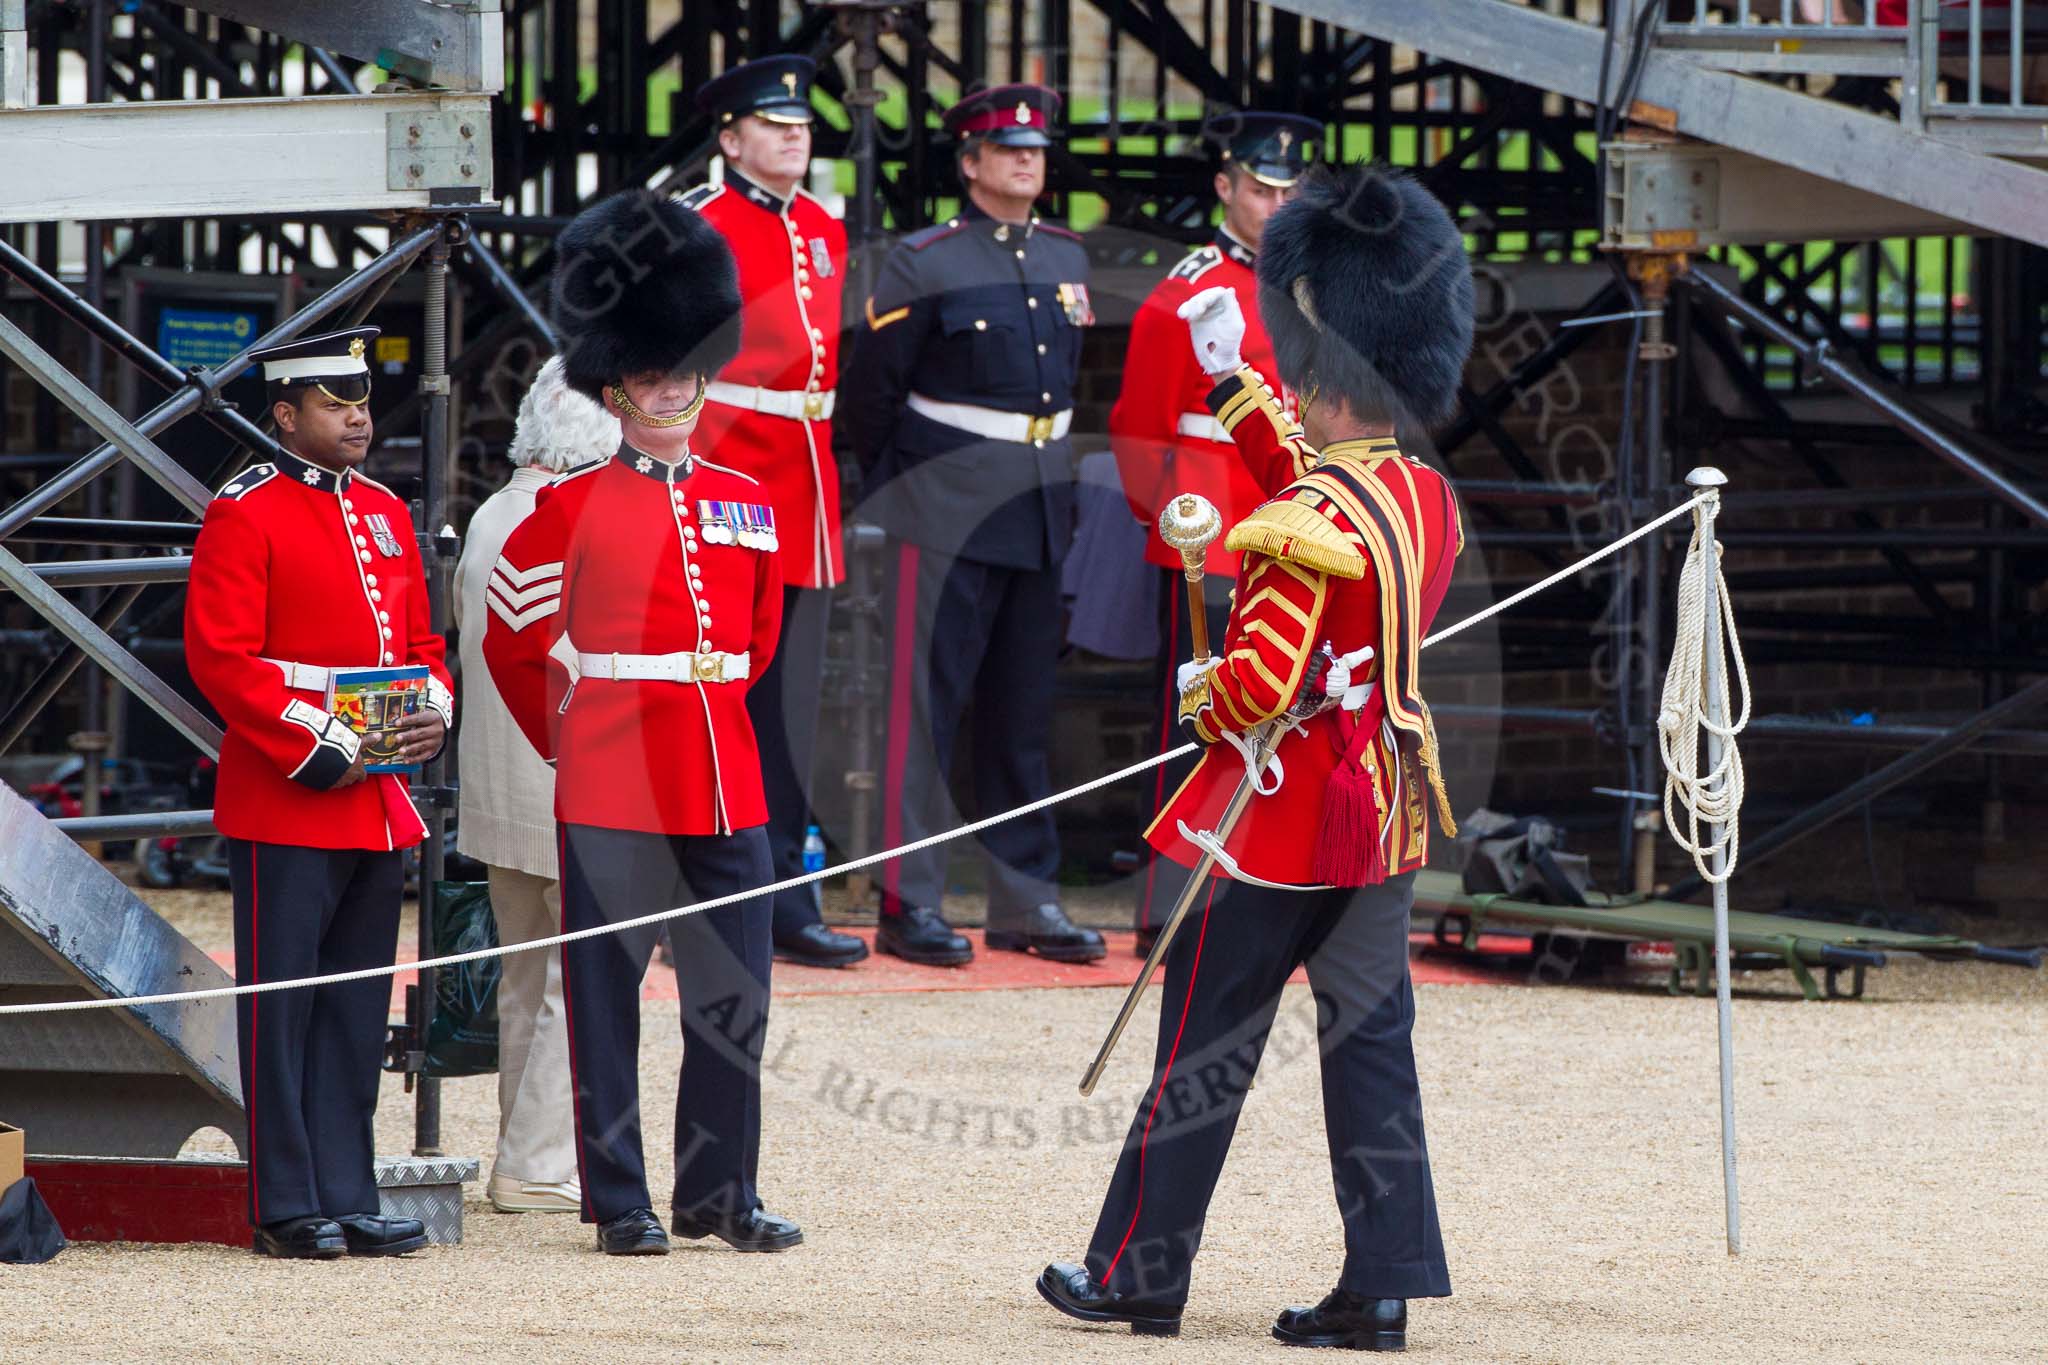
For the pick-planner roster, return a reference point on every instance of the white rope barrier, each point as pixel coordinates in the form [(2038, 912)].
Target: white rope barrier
[(790, 883)]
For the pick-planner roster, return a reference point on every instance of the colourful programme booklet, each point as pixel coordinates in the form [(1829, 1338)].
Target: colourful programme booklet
[(372, 701)]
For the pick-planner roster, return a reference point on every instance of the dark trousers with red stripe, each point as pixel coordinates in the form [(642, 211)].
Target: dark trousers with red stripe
[(1161, 882), (1224, 975), (722, 964), (783, 705), (312, 1057), (963, 631)]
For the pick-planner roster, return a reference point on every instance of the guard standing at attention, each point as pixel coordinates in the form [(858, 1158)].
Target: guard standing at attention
[(661, 569), (1168, 443), (770, 416), (1366, 291), (303, 567), (960, 393)]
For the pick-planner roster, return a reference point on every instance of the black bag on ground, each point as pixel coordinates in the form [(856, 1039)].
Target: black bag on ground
[(1521, 858), (29, 1234), (462, 1039)]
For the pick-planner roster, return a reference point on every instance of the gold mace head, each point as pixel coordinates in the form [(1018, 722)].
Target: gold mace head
[(1190, 522)]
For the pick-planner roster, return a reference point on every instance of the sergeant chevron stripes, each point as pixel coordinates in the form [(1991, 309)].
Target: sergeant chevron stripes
[(522, 596)]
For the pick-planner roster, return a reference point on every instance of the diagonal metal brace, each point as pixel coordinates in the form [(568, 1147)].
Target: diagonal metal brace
[(102, 649), (98, 414)]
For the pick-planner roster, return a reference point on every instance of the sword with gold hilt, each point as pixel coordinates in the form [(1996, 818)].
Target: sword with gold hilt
[(1189, 523)]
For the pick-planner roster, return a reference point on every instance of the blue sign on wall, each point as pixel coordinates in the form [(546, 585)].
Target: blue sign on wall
[(205, 337)]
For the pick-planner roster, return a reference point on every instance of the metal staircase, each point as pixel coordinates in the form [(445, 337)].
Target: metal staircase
[(1956, 149)]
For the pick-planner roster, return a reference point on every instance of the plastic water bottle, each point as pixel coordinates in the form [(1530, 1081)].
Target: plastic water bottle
[(814, 850)]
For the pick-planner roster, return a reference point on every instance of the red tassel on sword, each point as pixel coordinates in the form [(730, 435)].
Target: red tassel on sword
[(1349, 850)]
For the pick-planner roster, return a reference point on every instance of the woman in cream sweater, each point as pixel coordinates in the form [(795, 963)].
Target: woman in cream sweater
[(507, 812)]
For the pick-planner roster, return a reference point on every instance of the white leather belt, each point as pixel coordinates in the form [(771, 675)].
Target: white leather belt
[(795, 404), (992, 422), (711, 666), (310, 677), (1202, 426)]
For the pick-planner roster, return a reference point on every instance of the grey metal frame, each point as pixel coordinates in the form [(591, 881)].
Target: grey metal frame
[(1863, 150), (452, 44), (1902, 412), (37, 584), (126, 1082)]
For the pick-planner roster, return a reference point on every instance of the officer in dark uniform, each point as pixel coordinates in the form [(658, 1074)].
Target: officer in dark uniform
[(305, 567), (958, 401)]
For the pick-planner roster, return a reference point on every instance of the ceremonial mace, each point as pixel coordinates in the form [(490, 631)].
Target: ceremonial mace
[(1189, 523)]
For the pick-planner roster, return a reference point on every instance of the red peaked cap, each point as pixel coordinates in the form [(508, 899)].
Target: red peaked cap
[(1017, 115)]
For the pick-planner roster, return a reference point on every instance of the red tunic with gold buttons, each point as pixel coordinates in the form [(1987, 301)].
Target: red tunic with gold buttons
[(1165, 440), (298, 570), (1357, 550), (777, 425), (636, 557)]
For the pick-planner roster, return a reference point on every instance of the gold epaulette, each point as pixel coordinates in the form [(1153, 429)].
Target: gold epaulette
[(1298, 533)]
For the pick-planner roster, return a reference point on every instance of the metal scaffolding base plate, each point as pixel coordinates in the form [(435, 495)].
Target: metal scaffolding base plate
[(428, 1188), (134, 1082)]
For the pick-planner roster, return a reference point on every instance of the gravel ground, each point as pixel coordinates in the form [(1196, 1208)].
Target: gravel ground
[(936, 1151)]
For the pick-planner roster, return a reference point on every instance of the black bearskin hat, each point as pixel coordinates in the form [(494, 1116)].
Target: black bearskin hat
[(1366, 291), (642, 283)]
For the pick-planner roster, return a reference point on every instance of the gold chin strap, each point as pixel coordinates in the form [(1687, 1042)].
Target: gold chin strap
[(345, 402), (1308, 400), (631, 409)]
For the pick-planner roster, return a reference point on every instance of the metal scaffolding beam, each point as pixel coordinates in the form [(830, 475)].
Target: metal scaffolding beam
[(105, 651), (173, 158), (451, 44), (18, 347), (1725, 197), (1900, 770), (1910, 417), (1833, 141)]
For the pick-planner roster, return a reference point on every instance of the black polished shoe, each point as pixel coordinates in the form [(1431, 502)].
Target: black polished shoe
[(1074, 1292), (633, 1234), (816, 946), (371, 1234), (919, 935), (301, 1239), (1141, 946), (1349, 1321), (755, 1230), (1048, 932)]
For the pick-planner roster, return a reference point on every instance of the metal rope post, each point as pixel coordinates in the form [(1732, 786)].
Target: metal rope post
[(1707, 479), (435, 444)]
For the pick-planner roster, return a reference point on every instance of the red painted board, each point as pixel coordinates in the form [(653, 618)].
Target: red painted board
[(114, 1199)]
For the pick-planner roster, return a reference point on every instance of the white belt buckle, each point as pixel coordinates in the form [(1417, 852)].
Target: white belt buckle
[(814, 406), (1039, 430), (708, 666), (615, 666)]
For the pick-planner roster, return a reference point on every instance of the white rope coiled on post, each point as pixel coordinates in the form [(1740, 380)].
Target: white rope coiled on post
[(1696, 691)]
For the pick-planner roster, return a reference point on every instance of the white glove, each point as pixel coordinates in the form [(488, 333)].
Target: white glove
[(1216, 326), (1337, 678), (1192, 672)]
